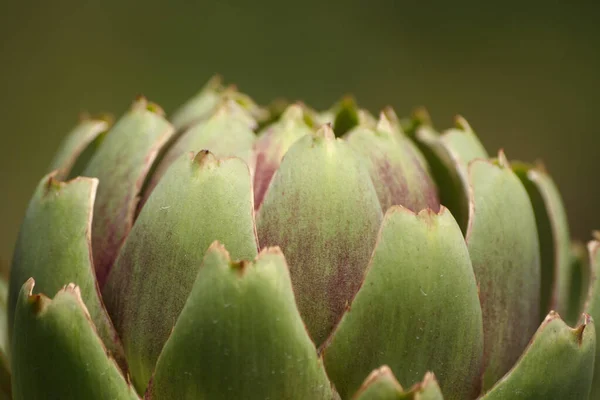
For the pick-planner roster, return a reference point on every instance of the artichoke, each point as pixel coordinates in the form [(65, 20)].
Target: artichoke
[(243, 252)]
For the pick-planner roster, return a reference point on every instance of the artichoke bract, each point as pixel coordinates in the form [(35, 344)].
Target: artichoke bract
[(235, 251)]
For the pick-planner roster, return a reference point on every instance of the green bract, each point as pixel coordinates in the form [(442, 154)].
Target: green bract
[(241, 252)]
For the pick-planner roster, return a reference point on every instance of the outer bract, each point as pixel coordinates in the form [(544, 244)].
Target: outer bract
[(234, 251)]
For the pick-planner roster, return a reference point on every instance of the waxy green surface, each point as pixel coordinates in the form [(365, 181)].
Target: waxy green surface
[(592, 304), (398, 170), (322, 210), (54, 248), (199, 200), (57, 353), (553, 233), (240, 336), (273, 143), (416, 311), (503, 243), (558, 364), (121, 164), (579, 282)]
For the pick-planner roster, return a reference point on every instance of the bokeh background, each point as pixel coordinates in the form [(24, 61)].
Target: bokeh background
[(525, 74)]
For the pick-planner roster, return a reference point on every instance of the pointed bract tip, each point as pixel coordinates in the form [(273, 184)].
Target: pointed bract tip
[(381, 372), (391, 114), (218, 247), (348, 101), (52, 184), (72, 288), (273, 250), (106, 118), (37, 301), (502, 160), (142, 103), (204, 157), (29, 285), (539, 166), (232, 87), (384, 124), (215, 82), (461, 123), (421, 116), (325, 132), (429, 377), (293, 112), (579, 330), (155, 108), (593, 246), (551, 316)]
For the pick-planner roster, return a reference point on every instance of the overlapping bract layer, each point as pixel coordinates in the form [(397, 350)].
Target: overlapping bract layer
[(296, 255)]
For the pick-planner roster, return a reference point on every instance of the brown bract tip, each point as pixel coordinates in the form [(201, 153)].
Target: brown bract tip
[(551, 315), (596, 235), (240, 266), (38, 302), (383, 371), (586, 319), (140, 102), (72, 288), (204, 157), (428, 378), (217, 246), (52, 184), (274, 250)]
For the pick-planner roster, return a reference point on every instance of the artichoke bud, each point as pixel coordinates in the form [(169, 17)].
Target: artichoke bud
[(235, 251)]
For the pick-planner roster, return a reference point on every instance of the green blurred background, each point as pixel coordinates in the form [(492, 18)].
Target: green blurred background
[(525, 74)]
